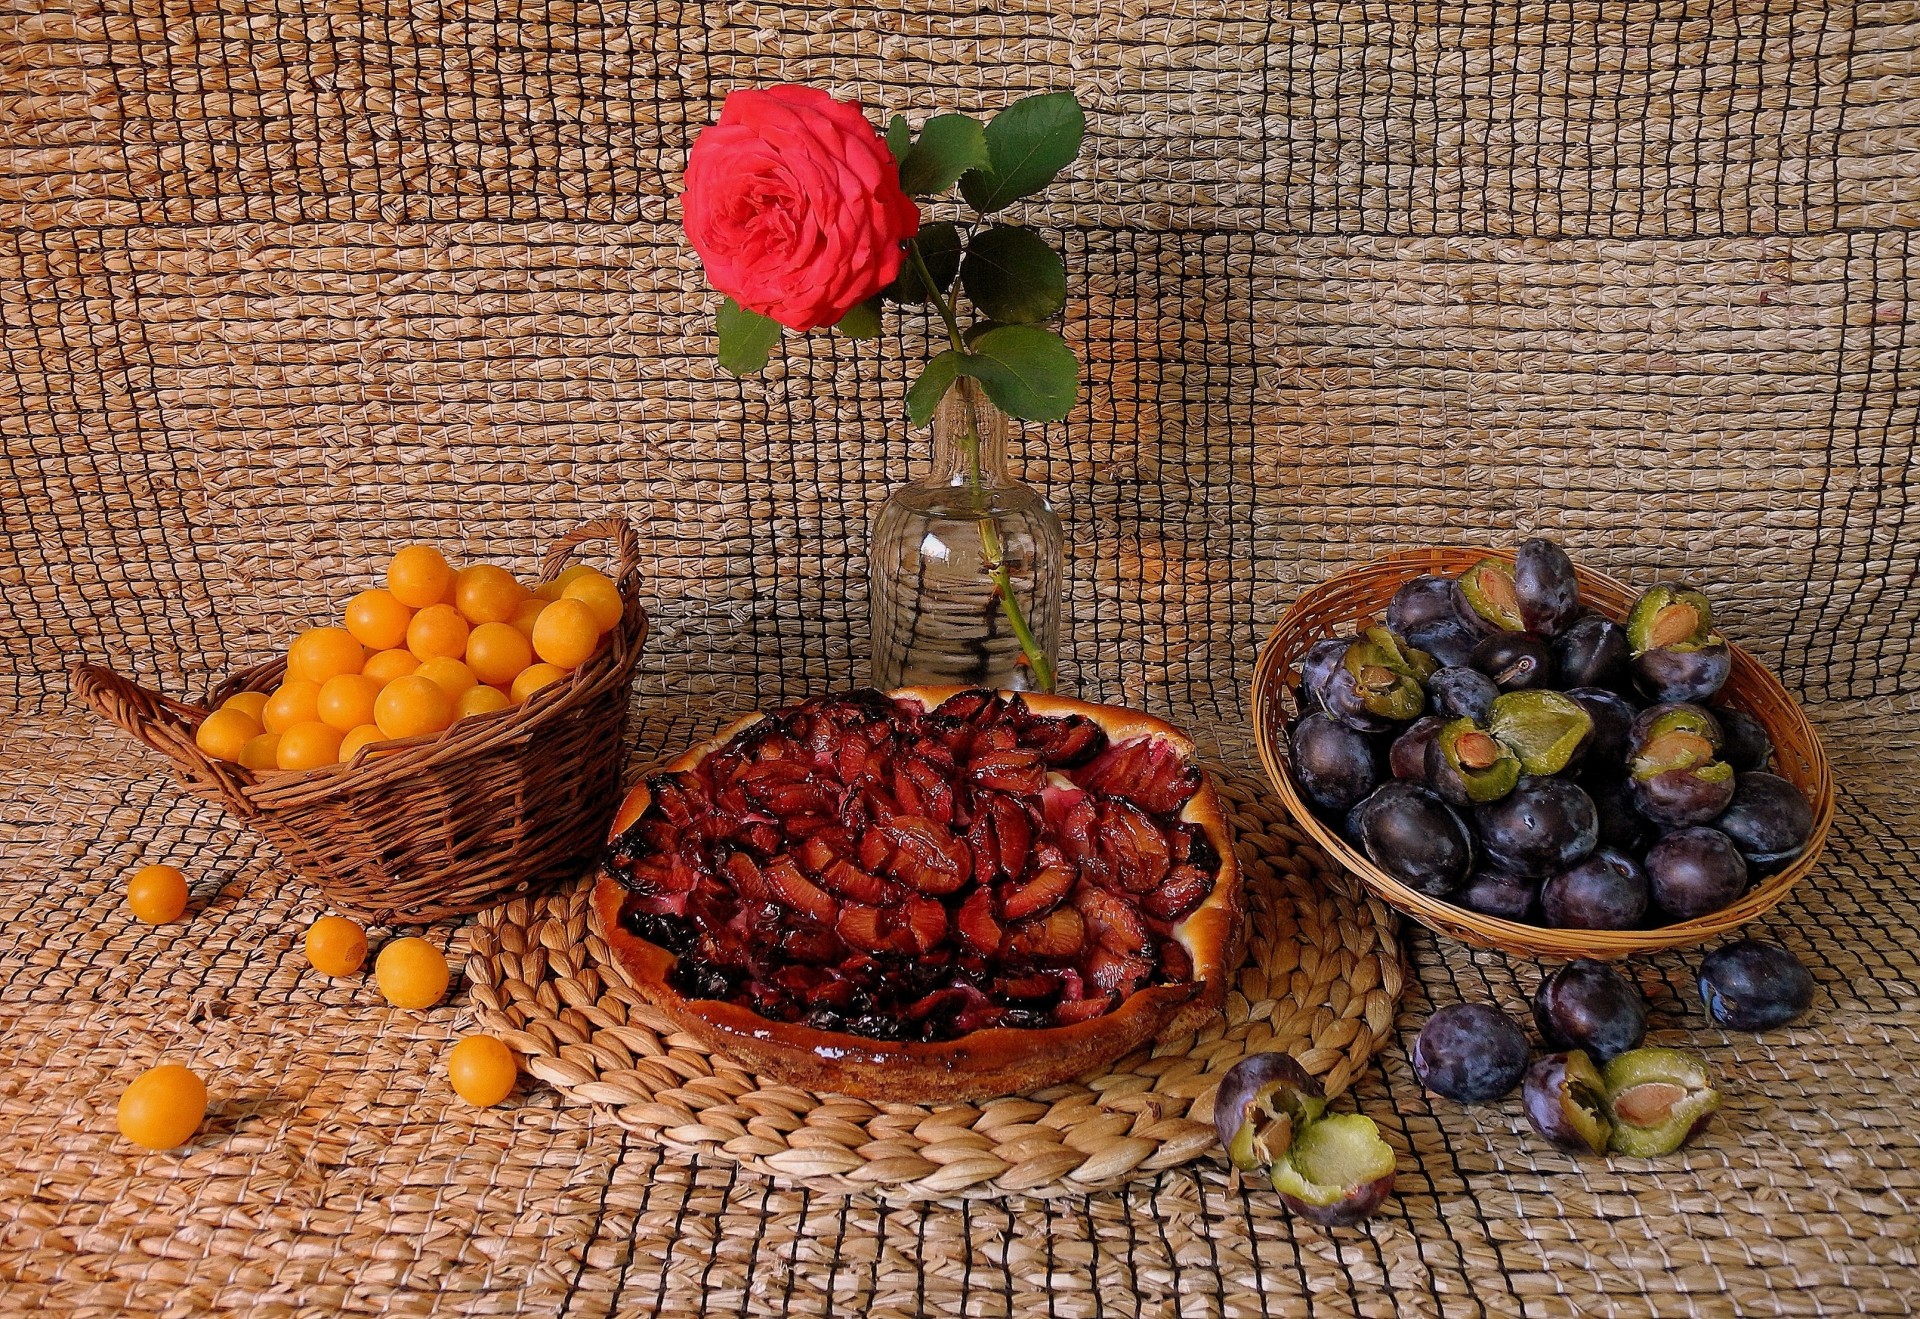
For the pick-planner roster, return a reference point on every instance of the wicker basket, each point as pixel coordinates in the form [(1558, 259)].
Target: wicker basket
[(1359, 597), (435, 826)]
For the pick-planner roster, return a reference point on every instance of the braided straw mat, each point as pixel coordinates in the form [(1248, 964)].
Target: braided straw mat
[(284, 285), (1321, 980)]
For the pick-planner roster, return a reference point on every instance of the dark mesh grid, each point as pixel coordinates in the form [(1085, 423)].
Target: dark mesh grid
[(283, 285)]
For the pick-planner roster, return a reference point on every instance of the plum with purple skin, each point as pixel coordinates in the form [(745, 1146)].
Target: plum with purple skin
[(1592, 652), (1271, 1117), (1378, 682), (1745, 744), (1695, 871), (1754, 985), (1334, 766), (1566, 1102), (1413, 836), (1622, 827), (1516, 661), (1605, 754), (1768, 819), (1544, 730), (1677, 776), (1263, 1103), (1677, 656), (1589, 1006), (1540, 828), (1495, 892), (1431, 614), (1544, 588), (1317, 667), (1462, 693), (1470, 1052), (1407, 757), (1607, 891)]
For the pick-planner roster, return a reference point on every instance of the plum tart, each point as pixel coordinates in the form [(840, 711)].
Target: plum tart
[(941, 893)]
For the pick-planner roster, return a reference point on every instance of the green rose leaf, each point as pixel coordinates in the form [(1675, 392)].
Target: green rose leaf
[(863, 322), (1028, 372), (899, 136), (948, 146), (925, 393), (1014, 275), (746, 338), (1027, 144), (940, 245)]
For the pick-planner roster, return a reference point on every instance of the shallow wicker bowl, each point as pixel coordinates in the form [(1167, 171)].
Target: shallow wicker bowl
[(1359, 597), (419, 830)]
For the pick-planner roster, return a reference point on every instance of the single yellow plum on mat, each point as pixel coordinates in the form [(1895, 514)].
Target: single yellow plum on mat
[(411, 973), (336, 946), (157, 894), (163, 1107), (481, 1070)]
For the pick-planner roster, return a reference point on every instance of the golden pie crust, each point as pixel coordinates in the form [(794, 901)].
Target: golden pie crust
[(999, 1060)]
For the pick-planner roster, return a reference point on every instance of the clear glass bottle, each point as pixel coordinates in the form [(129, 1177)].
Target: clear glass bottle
[(948, 547)]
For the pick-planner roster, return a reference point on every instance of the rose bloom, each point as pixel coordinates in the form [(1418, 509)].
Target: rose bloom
[(794, 204)]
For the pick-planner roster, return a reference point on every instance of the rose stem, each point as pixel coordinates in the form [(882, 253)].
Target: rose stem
[(989, 524)]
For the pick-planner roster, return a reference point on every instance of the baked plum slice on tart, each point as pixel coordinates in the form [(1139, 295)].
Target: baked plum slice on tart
[(938, 893)]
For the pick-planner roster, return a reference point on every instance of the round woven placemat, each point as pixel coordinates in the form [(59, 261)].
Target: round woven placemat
[(1321, 980)]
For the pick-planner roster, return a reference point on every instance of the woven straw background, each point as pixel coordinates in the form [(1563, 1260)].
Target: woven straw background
[(284, 284)]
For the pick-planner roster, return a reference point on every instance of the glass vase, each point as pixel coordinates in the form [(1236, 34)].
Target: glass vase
[(965, 565)]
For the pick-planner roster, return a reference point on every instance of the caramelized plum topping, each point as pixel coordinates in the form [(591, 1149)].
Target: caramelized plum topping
[(861, 865)]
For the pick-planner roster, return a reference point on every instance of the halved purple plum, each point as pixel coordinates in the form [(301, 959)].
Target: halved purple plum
[(1567, 1102), (1337, 1172), (1264, 1102)]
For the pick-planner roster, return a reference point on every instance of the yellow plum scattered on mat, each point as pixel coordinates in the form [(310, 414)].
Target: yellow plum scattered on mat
[(411, 973), (481, 1070), (162, 1107), (157, 894), (336, 946)]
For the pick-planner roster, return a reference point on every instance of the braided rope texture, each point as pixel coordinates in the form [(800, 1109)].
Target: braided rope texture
[(284, 285)]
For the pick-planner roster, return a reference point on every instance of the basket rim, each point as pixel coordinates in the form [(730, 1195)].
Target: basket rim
[(1272, 699)]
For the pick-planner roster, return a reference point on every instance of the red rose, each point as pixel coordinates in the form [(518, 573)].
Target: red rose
[(793, 203)]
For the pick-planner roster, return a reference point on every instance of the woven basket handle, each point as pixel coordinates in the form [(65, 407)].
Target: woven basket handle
[(162, 723), (626, 546)]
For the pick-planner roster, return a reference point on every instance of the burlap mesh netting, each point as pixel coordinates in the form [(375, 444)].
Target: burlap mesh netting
[(285, 284)]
